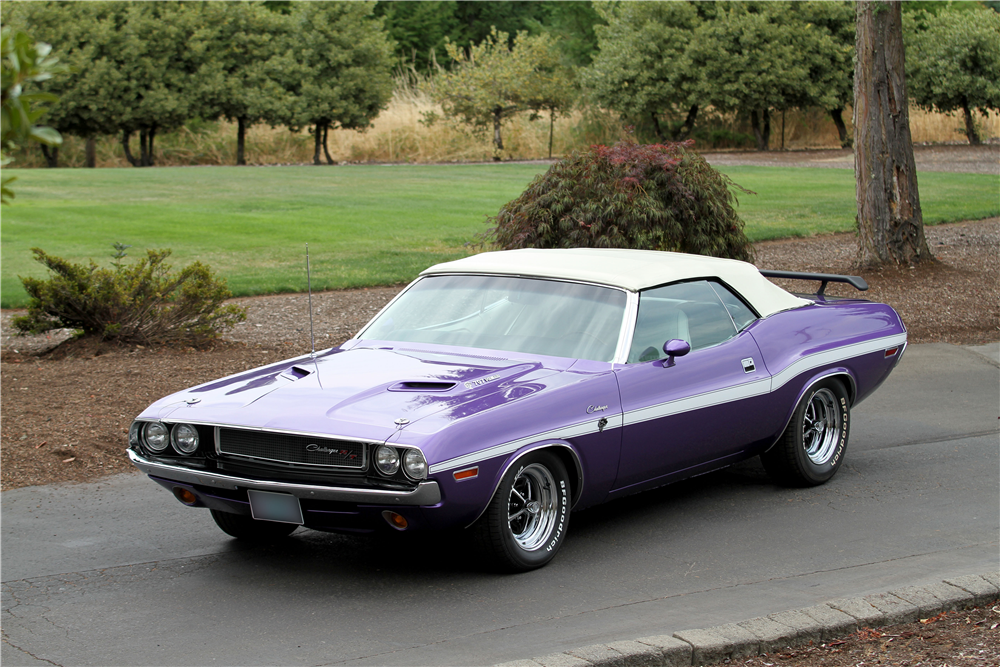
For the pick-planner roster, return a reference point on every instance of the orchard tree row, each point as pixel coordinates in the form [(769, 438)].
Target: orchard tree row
[(141, 68)]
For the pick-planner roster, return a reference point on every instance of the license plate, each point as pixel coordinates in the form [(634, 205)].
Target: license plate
[(280, 507)]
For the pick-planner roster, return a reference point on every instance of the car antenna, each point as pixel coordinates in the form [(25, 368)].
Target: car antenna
[(312, 337)]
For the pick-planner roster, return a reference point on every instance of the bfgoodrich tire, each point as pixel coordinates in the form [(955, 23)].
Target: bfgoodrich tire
[(249, 529), (527, 519), (811, 449)]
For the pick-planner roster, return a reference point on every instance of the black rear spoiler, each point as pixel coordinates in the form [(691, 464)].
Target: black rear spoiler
[(855, 281)]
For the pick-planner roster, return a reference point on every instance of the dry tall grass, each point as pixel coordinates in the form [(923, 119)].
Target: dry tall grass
[(399, 135)]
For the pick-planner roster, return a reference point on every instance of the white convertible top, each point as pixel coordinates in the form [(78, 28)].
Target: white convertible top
[(632, 270)]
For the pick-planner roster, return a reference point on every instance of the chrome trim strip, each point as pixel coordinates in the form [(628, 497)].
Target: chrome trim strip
[(426, 493), (565, 433), (833, 356)]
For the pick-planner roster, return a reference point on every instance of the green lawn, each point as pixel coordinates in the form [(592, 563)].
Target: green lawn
[(365, 225)]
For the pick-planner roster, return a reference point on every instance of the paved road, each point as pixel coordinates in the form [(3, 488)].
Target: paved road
[(118, 573)]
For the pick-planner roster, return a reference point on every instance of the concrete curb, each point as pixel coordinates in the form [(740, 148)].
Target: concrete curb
[(787, 629)]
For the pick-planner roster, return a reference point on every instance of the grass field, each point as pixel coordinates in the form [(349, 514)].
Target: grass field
[(365, 225)]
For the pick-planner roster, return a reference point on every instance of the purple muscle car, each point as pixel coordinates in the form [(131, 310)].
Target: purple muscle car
[(501, 391)]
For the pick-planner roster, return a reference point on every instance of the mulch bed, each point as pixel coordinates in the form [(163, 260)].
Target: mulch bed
[(967, 638)]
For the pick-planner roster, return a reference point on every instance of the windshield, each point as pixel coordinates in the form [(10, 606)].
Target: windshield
[(500, 313)]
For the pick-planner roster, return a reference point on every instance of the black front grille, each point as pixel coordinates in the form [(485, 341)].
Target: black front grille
[(295, 449)]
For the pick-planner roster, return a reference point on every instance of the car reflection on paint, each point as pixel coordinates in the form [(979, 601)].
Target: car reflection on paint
[(502, 391)]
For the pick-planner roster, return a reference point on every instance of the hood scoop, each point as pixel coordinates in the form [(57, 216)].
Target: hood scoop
[(297, 373), (422, 385)]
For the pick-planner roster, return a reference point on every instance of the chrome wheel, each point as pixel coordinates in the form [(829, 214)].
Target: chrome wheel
[(532, 507), (821, 426), (811, 449)]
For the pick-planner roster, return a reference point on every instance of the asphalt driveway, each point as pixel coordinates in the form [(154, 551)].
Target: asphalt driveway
[(119, 573)]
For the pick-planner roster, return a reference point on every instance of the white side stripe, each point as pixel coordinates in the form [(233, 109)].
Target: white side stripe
[(575, 431), (698, 401), (687, 404), (804, 364)]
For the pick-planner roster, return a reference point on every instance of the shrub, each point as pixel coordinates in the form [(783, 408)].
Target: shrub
[(654, 197), (140, 302)]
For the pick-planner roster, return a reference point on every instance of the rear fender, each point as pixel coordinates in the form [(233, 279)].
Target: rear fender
[(846, 378)]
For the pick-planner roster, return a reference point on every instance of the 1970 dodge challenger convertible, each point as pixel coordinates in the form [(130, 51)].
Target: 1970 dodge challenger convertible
[(501, 391)]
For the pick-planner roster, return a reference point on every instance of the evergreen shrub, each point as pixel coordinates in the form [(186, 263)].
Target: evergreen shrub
[(142, 302), (630, 195)]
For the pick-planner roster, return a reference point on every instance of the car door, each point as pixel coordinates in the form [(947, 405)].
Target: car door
[(686, 414)]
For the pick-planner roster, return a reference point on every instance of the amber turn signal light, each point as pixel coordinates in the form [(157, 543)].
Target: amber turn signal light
[(185, 495), (397, 521), (468, 473)]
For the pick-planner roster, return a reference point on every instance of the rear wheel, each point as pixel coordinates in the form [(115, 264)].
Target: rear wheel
[(247, 528), (812, 447), (526, 521)]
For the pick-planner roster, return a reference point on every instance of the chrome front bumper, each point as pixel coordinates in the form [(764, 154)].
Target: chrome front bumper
[(426, 493)]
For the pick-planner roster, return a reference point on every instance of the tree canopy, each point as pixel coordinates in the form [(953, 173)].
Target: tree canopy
[(953, 63), (336, 68), (235, 78), (492, 80)]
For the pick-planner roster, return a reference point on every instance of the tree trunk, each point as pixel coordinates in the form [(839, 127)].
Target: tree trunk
[(326, 151), (149, 153), (685, 130), (656, 126), (497, 138), (241, 140), (759, 135), (90, 153), (126, 136), (51, 156), (317, 140), (838, 119), (890, 222), (767, 129), (970, 126), (143, 149), (552, 126)]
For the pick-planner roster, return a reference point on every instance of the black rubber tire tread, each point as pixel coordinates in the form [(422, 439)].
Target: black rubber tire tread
[(492, 532), (247, 528), (786, 462)]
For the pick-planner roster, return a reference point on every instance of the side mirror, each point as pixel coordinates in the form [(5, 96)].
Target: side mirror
[(676, 347)]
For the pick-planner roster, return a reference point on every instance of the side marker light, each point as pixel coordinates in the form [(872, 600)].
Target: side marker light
[(891, 352), (468, 473)]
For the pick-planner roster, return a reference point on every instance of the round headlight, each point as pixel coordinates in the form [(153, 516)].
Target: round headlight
[(185, 438), (414, 464), (386, 460), (156, 436)]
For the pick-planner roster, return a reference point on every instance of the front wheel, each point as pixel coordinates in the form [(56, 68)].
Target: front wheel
[(812, 447), (526, 521), (247, 528)]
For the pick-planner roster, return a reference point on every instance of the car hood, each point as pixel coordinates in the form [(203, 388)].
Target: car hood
[(363, 392)]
